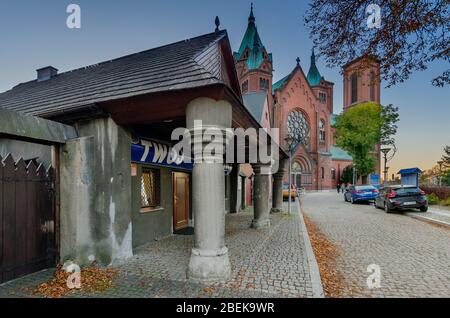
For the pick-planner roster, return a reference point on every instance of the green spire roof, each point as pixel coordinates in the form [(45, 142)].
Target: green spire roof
[(253, 42), (314, 76)]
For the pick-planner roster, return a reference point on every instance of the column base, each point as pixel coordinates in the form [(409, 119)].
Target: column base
[(260, 224), (209, 266), (276, 210)]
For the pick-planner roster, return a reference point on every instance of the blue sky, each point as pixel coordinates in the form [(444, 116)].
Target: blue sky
[(34, 34)]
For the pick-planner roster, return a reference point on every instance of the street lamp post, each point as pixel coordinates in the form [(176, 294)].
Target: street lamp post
[(440, 163), (385, 152), (291, 146)]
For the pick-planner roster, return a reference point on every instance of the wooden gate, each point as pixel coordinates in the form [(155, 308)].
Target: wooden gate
[(27, 218)]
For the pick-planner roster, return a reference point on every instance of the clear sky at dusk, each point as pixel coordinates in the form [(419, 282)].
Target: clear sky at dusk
[(34, 34)]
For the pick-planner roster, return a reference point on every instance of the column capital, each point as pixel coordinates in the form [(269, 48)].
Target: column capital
[(262, 169)]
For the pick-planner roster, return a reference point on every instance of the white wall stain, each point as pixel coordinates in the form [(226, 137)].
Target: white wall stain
[(124, 250)]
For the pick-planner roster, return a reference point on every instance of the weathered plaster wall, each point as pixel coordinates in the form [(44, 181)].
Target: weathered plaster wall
[(152, 226), (26, 150), (95, 204)]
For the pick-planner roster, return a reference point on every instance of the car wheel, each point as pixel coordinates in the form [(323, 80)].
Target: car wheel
[(424, 209), (386, 208)]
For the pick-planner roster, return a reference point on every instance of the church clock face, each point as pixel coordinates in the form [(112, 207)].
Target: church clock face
[(298, 128)]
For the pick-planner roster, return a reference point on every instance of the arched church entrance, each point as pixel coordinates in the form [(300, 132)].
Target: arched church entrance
[(302, 173)]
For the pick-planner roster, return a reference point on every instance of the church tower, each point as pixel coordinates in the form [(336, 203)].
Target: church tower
[(253, 62), (362, 84), (322, 89), (362, 81)]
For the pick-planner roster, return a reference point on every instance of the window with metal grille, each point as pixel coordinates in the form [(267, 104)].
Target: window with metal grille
[(263, 83), (150, 188)]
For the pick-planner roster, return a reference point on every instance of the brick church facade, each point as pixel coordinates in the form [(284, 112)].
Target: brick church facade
[(301, 105)]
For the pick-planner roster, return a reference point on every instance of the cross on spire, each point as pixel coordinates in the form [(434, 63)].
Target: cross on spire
[(251, 18)]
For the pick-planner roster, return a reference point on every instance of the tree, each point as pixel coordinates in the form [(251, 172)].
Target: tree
[(412, 34), (358, 130), (347, 175), (446, 156), (389, 128)]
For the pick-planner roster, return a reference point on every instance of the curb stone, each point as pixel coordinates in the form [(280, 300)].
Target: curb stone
[(314, 272)]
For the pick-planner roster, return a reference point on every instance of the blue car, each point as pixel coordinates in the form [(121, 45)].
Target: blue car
[(363, 193)]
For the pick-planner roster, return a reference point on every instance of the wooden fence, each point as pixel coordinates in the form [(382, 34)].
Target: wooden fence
[(27, 218)]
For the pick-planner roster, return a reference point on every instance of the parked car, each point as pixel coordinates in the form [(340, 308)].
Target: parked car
[(364, 193), (286, 194), (401, 198)]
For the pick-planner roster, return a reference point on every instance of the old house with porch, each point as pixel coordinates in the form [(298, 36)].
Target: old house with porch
[(116, 185)]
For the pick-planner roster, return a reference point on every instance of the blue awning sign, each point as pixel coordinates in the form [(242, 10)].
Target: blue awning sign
[(155, 153)]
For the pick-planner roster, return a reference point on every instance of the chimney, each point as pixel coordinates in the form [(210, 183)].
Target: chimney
[(46, 73)]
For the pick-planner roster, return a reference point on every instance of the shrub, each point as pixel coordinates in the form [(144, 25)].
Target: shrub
[(445, 202), (433, 199)]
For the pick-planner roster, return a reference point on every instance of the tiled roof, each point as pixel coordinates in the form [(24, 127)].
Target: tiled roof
[(255, 103), (185, 64), (333, 119), (280, 83), (340, 154)]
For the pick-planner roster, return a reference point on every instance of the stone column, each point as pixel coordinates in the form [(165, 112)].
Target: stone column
[(209, 258), (261, 192), (277, 190)]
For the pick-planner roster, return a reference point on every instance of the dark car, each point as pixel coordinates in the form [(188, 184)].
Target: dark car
[(402, 198), (363, 193)]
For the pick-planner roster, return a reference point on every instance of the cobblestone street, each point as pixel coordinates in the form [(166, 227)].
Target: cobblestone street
[(265, 264), (414, 256)]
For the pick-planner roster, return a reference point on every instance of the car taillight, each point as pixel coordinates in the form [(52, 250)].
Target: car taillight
[(375, 191), (422, 192), (358, 191), (392, 195)]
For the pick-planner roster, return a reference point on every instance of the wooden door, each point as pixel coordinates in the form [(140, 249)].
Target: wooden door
[(27, 219), (180, 201)]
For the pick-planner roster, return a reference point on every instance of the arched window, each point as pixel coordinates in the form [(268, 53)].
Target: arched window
[(354, 86), (298, 127), (322, 134)]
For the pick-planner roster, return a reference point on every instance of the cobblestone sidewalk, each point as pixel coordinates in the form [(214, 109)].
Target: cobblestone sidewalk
[(266, 263)]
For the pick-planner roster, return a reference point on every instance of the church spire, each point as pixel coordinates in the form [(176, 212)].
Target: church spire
[(313, 57), (251, 18), (314, 76)]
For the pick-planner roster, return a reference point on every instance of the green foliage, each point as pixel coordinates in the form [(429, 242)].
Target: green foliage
[(389, 127), (358, 130), (347, 175), (446, 179), (445, 202), (446, 156), (433, 199)]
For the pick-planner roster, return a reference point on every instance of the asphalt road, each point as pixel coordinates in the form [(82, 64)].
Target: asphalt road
[(412, 256)]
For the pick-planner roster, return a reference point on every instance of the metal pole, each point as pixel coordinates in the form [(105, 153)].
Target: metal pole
[(354, 175), (290, 182), (385, 169)]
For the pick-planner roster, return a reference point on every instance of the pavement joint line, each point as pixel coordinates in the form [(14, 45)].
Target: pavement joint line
[(314, 271), (421, 217)]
